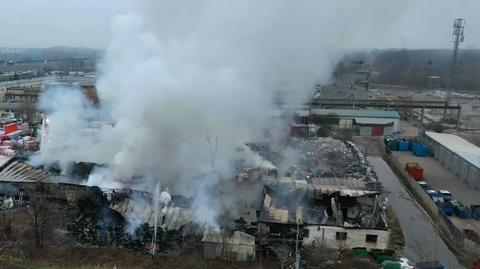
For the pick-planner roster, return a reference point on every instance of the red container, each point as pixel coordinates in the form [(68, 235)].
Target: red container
[(9, 128), (415, 170)]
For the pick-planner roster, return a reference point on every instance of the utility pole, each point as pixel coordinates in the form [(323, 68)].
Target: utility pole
[(457, 38), (297, 254)]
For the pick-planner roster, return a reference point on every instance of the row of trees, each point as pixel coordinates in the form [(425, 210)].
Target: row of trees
[(413, 67)]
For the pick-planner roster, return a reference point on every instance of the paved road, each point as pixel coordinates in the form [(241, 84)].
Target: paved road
[(420, 235)]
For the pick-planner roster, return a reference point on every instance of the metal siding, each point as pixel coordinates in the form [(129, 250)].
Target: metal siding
[(377, 131), (388, 130), (365, 130), (455, 163)]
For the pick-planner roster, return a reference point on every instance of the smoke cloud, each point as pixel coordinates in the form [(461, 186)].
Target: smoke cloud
[(184, 83)]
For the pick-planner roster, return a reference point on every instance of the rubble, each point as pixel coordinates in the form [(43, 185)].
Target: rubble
[(104, 219), (328, 157)]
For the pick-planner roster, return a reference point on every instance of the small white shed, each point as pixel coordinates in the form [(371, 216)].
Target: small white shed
[(237, 247)]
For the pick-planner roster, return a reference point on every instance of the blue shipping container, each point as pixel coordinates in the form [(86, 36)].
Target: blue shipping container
[(420, 149), (403, 145)]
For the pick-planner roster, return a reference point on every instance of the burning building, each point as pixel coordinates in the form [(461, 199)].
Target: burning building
[(328, 212)]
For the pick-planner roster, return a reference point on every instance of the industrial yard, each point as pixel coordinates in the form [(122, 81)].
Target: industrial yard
[(209, 135)]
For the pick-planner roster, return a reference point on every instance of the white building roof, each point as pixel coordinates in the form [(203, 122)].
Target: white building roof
[(379, 121), (458, 145)]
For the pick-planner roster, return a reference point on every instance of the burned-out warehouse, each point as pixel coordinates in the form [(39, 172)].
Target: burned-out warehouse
[(331, 212)]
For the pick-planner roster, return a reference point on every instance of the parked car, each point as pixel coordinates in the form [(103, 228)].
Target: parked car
[(423, 184), (475, 211), (446, 195)]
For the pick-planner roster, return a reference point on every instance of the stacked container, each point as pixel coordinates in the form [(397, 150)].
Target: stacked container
[(420, 149), (391, 143), (403, 145)]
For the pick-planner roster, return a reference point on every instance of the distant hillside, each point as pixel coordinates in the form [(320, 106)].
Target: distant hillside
[(50, 54), (412, 67)]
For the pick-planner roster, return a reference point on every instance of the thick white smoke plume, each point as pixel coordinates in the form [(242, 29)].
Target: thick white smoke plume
[(184, 83)]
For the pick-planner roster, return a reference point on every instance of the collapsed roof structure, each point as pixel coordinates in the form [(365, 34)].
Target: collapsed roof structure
[(343, 207)]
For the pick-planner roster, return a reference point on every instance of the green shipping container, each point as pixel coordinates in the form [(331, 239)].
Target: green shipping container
[(391, 265), (360, 252)]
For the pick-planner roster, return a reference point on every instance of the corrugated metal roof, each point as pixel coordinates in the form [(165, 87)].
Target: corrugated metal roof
[(20, 172), (170, 218), (364, 113), (345, 187), (458, 145), (4, 160)]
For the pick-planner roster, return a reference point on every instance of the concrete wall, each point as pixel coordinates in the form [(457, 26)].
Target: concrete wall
[(455, 163), (326, 236), (229, 251)]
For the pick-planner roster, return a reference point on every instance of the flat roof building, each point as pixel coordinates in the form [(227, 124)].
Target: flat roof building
[(366, 122), (456, 154)]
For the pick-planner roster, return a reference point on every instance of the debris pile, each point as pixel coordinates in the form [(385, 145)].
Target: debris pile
[(106, 220), (330, 158)]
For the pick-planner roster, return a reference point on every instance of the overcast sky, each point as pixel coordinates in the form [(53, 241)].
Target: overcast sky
[(86, 23)]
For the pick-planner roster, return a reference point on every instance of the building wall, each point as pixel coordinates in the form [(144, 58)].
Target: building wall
[(395, 121), (68, 192), (365, 130), (345, 123), (388, 130), (326, 236), (455, 163), (228, 251)]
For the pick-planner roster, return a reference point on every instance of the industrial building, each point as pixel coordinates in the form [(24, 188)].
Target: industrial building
[(364, 122), (329, 212), (458, 155)]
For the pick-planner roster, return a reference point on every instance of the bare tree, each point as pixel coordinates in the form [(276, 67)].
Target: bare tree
[(37, 213), (227, 229), (284, 254)]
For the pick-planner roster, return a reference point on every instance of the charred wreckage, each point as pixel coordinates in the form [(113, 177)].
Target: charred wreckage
[(319, 200)]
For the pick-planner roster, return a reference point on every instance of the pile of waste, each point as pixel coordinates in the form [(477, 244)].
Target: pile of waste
[(320, 157), (267, 152), (328, 157)]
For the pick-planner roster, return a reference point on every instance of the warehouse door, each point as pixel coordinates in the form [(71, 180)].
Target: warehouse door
[(377, 131)]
